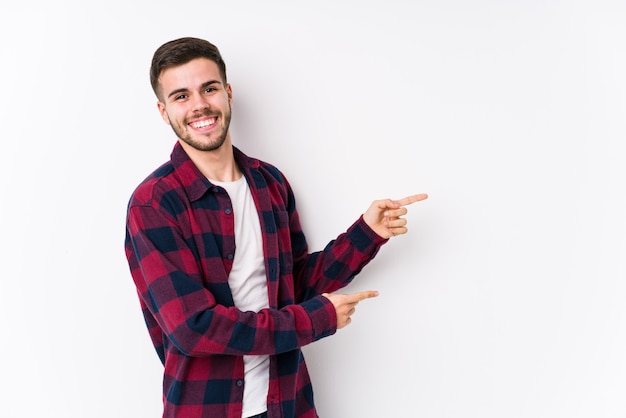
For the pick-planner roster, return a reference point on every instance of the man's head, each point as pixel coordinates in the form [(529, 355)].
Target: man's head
[(188, 76), (181, 51)]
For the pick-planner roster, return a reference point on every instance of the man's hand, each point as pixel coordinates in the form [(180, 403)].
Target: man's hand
[(384, 216), (345, 304)]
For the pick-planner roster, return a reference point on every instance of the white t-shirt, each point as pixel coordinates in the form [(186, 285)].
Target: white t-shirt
[(248, 285)]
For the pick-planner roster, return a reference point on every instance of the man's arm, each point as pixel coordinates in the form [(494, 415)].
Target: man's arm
[(170, 283), (343, 258)]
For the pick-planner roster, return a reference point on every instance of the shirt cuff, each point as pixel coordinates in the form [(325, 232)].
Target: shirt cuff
[(363, 237), (323, 316)]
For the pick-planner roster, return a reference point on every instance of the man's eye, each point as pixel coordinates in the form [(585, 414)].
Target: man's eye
[(181, 97), (210, 89)]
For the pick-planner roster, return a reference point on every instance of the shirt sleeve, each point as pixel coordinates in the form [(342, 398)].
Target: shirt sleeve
[(170, 284), (338, 263)]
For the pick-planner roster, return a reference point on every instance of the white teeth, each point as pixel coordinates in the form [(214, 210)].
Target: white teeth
[(203, 123)]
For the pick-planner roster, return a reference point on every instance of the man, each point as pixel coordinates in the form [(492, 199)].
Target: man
[(227, 286)]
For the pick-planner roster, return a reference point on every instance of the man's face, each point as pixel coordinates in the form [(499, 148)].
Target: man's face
[(194, 101)]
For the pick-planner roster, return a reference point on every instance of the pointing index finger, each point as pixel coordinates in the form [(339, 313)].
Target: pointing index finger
[(412, 199), (359, 296)]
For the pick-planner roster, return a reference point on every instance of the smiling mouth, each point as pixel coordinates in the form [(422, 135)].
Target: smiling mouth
[(202, 124)]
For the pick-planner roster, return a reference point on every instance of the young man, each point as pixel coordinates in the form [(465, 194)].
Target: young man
[(227, 286)]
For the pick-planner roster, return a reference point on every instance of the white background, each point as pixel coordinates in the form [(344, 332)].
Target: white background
[(506, 298)]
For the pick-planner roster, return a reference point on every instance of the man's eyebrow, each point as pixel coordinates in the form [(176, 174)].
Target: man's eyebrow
[(208, 83), (177, 91)]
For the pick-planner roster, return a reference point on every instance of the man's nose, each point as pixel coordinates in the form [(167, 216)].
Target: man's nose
[(199, 103)]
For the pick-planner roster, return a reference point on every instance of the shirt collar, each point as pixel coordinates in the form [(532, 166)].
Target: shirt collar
[(193, 180)]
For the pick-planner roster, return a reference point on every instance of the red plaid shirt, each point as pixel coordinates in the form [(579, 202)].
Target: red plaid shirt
[(180, 246)]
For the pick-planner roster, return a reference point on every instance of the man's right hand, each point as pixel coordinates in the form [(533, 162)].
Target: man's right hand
[(345, 305)]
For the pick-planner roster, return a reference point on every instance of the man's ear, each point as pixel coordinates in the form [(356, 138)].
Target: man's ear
[(229, 90), (163, 112)]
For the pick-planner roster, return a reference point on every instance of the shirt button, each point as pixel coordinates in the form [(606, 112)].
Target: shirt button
[(228, 211), (230, 256), (239, 382)]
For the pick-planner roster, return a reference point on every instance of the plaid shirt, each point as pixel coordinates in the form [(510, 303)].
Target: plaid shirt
[(180, 246)]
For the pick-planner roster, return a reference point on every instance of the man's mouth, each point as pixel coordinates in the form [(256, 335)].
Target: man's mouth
[(203, 124)]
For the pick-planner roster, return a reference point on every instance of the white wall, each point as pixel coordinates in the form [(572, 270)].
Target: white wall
[(506, 299)]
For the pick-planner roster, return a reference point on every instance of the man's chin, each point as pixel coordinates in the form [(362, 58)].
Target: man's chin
[(204, 147)]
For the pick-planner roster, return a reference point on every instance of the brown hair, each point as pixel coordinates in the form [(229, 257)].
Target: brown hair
[(181, 51)]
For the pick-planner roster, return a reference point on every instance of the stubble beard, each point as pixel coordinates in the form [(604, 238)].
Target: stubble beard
[(187, 137)]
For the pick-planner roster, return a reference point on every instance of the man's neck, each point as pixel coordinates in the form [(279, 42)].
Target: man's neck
[(218, 164)]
